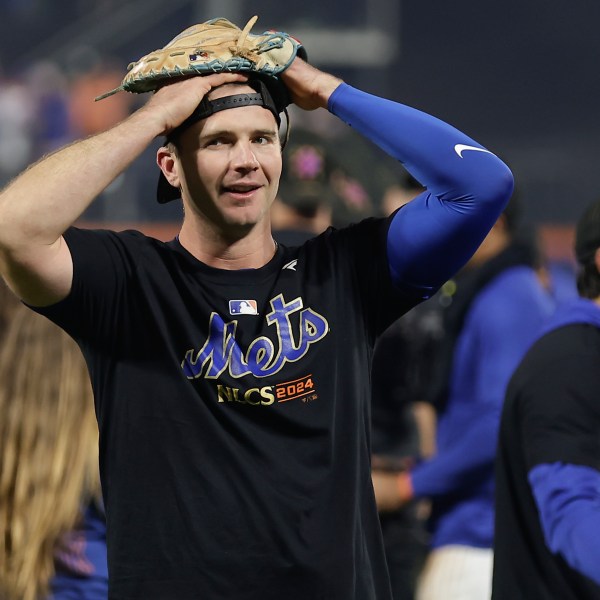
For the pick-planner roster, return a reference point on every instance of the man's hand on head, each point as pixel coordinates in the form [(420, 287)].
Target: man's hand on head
[(309, 87), (174, 102)]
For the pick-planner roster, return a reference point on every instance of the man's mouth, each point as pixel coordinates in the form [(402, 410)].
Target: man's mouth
[(241, 190)]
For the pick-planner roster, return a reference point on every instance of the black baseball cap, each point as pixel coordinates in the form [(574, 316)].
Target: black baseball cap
[(270, 93), (587, 233)]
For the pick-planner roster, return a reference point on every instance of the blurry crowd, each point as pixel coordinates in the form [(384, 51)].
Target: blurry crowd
[(51, 105)]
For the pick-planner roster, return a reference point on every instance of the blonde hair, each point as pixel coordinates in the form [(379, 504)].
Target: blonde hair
[(48, 449), (8, 304)]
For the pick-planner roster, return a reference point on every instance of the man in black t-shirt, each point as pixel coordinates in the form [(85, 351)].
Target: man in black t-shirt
[(547, 540), (231, 373)]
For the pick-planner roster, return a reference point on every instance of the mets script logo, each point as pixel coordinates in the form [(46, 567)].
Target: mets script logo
[(221, 351)]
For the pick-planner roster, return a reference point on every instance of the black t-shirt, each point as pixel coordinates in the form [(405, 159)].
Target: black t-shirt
[(234, 416), (551, 414)]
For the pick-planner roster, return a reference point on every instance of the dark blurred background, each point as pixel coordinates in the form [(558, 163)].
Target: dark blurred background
[(520, 77)]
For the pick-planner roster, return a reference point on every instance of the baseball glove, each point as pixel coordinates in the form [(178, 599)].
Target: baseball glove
[(212, 47)]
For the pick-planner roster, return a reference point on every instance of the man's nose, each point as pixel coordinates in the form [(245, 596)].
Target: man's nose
[(244, 157)]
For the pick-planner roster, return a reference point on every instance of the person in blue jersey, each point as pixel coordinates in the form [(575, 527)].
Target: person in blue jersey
[(80, 561), (234, 445), (498, 308), (547, 540)]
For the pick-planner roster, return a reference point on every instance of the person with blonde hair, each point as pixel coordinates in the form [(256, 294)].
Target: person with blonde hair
[(48, 462)]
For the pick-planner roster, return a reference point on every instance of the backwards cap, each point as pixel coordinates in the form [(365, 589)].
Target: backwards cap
[(270, 94)]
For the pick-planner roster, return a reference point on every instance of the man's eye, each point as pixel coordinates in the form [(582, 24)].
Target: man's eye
[(261, 139)]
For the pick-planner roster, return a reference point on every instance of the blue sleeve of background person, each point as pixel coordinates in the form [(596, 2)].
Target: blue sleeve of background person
[(92, 583), (434, 235), (503, 322), (460, 464), (568, 500)]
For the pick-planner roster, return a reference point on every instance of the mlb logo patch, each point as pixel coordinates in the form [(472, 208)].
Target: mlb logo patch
[(243, 307)]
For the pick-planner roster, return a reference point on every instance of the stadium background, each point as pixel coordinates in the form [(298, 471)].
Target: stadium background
[(521, 77)]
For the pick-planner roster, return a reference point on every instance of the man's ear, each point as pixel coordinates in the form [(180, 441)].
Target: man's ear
[(167, 163)]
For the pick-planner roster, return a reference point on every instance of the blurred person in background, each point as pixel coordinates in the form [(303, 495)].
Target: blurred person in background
[(91, 73), (547, 542), (17, 122), (52, 524), (48, 86), (497, 310), (305, 200)]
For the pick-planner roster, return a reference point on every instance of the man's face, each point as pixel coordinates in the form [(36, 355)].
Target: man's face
[(229, 165)]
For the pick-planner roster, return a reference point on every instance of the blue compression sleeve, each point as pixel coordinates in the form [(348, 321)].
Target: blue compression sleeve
[(434, 235), (568, 500)]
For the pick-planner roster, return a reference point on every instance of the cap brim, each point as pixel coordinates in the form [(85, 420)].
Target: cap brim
[(165, 192)]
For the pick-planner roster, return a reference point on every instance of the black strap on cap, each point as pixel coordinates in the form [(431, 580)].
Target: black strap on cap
[(207, 107)]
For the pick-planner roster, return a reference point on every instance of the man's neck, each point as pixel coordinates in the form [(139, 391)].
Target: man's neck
[(250, 251)]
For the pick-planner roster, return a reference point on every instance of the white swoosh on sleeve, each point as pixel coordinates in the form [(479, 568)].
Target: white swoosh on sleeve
[(460, 148)]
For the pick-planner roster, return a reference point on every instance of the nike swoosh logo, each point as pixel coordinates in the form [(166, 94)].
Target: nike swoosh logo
[(460, 148)]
